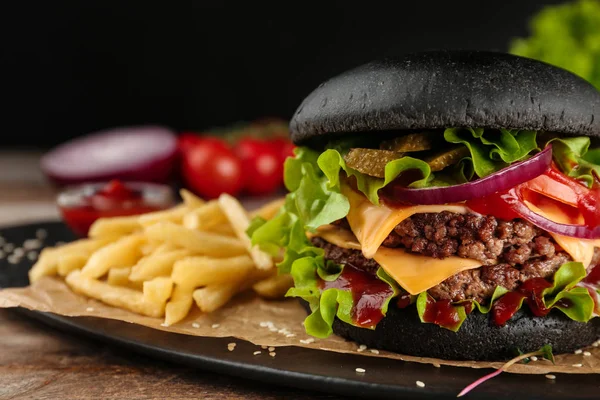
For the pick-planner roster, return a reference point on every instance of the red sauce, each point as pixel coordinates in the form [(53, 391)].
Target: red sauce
[(441, 312), (112, 200), (468, 307), (403, 300), (506, 306), (531, 291), (368, 292), (594, 276)]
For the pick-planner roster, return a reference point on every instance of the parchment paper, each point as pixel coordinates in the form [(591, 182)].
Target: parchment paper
[(261, 322)]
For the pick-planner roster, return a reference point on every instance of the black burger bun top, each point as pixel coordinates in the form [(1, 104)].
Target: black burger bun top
[(441, 89)]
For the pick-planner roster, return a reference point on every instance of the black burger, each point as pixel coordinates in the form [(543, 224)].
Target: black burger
[(445, 204)]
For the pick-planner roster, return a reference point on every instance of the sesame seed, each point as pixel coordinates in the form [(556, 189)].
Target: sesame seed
[(578, 365), (272, 354), (420, 384), (32, 255), (534, 358), (263, 324), (360, 370), (552, 377), (164, 324), (290, 335), (374, 351), (89, 309), (19, 252), (257, 352), (195, 325), (41, 234), (579, 351), (361, 348), (271, 348), (263, 347), (231, 346), (307, 341), (587, 353), (215, 326), (31, 244), (436, 365), (273, 329), (13, 260)]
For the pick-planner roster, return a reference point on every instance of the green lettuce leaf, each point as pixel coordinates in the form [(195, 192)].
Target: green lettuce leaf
[(492, 150), (579, 303), (574, 158)]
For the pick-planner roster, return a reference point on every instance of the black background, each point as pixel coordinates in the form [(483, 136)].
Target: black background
[(69, 68)]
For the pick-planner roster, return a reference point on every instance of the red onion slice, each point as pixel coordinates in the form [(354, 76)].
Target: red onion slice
[(142, 153), (504, 179), (579, 231)]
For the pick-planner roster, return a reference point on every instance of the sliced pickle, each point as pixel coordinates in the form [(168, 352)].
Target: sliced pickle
[(370, 161), (446, 158), (409, 143)]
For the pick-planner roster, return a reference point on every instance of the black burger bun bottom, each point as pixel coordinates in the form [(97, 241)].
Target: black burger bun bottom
[(401, 331), (448, 89)]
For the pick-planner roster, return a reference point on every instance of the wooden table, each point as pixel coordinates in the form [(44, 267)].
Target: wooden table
[(37, 362)]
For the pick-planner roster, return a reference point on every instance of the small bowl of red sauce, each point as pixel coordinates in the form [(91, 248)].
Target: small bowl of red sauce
[(83, 204)]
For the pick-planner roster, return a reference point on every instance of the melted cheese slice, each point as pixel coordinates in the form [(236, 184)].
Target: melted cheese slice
[(414, 272), (581, 250), (372, 224)]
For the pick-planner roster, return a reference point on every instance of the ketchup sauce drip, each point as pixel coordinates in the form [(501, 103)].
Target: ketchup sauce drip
[(368, 292), (403, 300), (441, 313), (531, 292)]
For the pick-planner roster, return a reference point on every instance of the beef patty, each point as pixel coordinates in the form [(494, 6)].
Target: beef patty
[(511, 252), (483, 238), (474, 284)]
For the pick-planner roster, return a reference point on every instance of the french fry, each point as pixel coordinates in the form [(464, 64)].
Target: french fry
[(179, 305), (201, 271), (71, 261), (238, 219), (211, 298), (116, 296), (47, 263), (155, 265), (269, 210), (125, 251), (210, 244), (114, 226), (274, 287), (223, 229), (118, 276), (158, 290), (174, 215), (205, 217), (190, 199)]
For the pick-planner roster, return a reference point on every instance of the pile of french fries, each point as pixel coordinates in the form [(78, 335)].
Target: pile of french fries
[(159, 264)]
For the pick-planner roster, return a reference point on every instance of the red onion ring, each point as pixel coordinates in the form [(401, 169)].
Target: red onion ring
[(504, 179), (515, 201)]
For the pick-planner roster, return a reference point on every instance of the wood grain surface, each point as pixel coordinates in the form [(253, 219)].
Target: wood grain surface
[(38, 362)]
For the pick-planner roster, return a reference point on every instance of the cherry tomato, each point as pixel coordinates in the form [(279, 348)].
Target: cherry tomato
[(210, 168), (262, 165), (188, 140), (285, 147)]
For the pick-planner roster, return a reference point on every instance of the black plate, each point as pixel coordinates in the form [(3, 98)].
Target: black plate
[(296, 367)]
